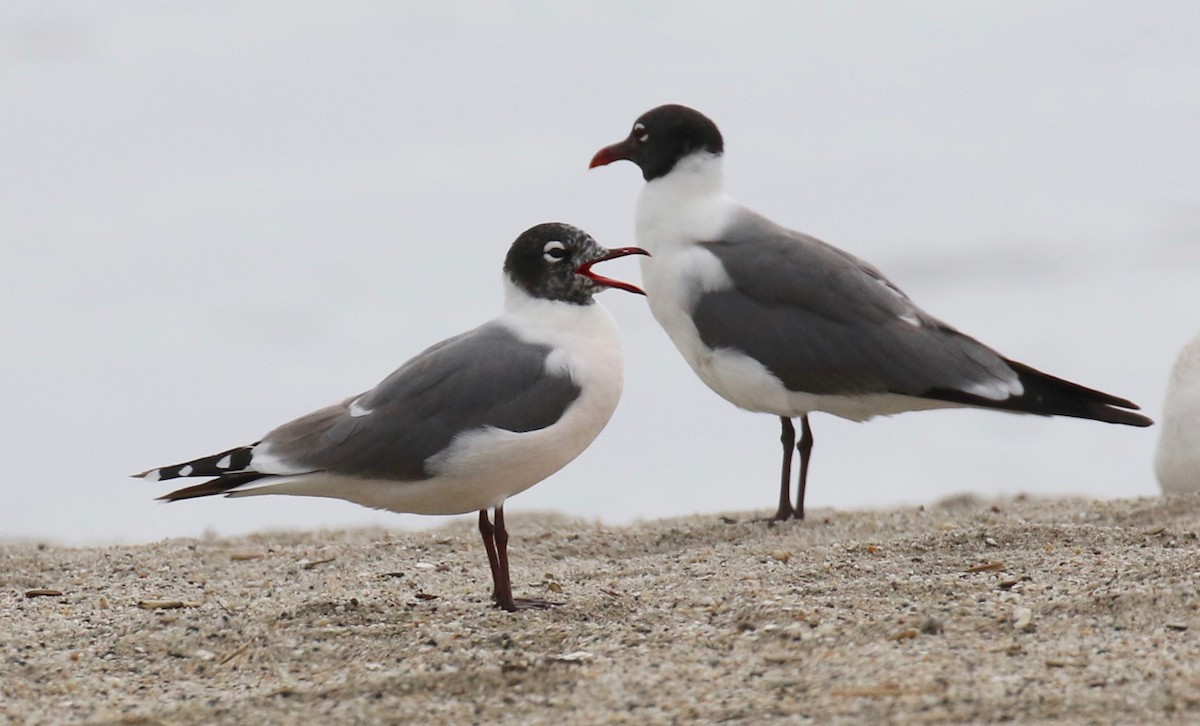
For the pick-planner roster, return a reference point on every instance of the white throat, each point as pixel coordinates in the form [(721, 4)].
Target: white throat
[(538, 320), (686, 206)]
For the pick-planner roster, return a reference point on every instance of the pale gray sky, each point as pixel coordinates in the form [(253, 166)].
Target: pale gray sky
[(217, 217)]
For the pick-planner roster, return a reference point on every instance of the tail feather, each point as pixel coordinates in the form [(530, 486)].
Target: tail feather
[(226, 462), (221, 485), (1048, 395)]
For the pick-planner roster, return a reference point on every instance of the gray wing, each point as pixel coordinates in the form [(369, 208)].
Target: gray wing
[(825, 322), (485, 377)]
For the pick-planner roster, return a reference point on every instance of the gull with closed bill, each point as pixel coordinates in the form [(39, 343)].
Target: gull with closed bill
[(779, 322), (467, 423)]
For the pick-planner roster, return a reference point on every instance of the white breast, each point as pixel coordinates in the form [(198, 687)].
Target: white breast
[(674, 214)]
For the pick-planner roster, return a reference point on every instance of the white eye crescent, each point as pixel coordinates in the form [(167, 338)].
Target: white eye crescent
[(554, 251), (640, 133)]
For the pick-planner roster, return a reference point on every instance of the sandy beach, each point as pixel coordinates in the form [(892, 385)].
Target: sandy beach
[(1064, 611)]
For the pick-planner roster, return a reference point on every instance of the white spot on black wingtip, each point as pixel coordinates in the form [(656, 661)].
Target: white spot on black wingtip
[(224, 462), (998, 390), (185, 470), (152, 475)]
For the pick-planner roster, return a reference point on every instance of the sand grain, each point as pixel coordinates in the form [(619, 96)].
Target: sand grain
[(1069, 611)]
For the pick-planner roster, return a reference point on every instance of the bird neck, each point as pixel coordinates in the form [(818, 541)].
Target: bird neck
[(552, 289), (686, 206), (518, 300), (699, 174), (536, 319)]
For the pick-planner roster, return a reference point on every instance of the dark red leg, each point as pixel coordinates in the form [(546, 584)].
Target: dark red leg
[(502, 581), (805, 448), (489, 543), (788, 439), (504, 597)]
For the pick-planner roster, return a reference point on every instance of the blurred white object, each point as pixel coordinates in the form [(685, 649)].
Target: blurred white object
[(1178, 460)]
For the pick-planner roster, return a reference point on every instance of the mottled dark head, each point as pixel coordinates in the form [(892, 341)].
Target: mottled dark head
[(554, 261), (660, 138)]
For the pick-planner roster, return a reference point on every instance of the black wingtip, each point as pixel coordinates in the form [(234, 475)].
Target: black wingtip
[(230, 461), (1048, 395), (1061, 397)]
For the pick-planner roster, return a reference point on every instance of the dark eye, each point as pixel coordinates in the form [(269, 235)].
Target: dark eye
[(640, 133), (554, 251)]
